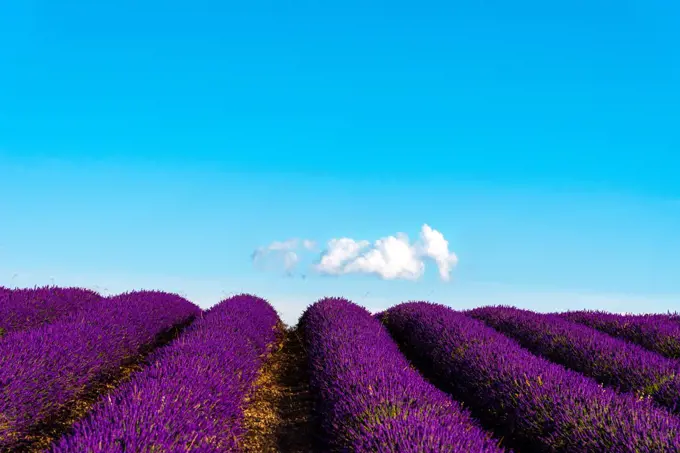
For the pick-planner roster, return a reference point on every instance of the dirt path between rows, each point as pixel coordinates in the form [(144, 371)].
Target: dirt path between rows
[(279, 417)]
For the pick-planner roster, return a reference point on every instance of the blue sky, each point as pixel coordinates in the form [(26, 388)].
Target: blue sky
[(160, 143)]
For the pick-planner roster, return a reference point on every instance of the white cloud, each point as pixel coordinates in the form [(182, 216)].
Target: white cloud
[(391, 257), (339, 252), (436, 247)]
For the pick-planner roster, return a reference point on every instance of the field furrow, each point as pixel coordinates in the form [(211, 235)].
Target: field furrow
[(609, 360), (280, 415), (369, 398), (537, 405), (658, 333), (191, 397), (150, 372), (44, 372)]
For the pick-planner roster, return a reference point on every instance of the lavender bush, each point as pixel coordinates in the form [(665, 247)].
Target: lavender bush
[(611, 361), (44, 369), (539, 406), (369, 398), (658, 333), (23, 309), (190, 398)]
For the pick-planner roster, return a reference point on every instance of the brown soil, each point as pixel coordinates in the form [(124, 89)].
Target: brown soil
[(44, 433), (279, 415)]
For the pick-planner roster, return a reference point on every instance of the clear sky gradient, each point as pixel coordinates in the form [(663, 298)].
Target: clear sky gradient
[(157, 144)]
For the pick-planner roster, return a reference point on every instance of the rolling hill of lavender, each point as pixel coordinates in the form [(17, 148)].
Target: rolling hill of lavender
[(149, 371)]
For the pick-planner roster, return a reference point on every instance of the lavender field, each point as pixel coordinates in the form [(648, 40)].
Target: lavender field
[(148, 371)]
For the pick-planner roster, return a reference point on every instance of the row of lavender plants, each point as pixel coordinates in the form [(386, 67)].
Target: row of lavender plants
[(611, 361), (23, 309), (538, 405), (191, 396), (658, 333), (369, 398), (45, 369)]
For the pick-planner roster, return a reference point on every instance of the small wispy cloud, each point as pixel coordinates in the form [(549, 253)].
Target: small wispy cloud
[(281, 255), (309, 245), (389, 258)]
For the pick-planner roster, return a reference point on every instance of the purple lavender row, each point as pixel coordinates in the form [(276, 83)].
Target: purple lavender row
[(611, 361), (46, 368), (658, 333), (537, 405), (23, 309), (369, 397), (190, 398)]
